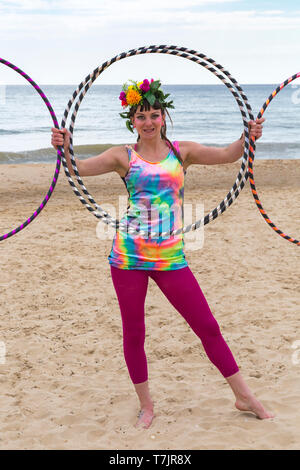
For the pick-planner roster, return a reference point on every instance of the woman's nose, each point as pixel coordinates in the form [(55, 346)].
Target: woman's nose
[(148, 121)]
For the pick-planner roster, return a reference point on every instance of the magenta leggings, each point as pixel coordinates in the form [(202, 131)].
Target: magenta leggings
[(183, 291)]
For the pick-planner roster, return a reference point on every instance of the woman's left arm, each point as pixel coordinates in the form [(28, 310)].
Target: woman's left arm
[(203, 155)]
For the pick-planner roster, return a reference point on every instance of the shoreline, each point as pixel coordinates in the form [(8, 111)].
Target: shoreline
[(48, 154), (42, 162)]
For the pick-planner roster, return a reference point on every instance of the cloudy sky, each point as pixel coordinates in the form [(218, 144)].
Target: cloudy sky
[(61, 41)]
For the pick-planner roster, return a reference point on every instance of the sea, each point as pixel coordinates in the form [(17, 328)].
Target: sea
[(207, 114)]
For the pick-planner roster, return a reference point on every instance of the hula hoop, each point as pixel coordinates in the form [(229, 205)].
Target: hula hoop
[(58, 162), (250, 168), (240, 98)]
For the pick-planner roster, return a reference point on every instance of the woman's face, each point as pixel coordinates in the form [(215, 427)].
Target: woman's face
[(148, 123)]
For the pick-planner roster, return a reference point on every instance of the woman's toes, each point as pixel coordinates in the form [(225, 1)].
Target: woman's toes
[(145, 419)]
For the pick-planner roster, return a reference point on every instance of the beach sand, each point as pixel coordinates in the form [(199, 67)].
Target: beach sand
[(64, 382)]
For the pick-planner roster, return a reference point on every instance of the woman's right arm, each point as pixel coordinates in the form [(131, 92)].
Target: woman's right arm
[(104, 163)]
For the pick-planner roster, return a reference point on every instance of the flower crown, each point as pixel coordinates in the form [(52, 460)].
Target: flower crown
[(135, 94)]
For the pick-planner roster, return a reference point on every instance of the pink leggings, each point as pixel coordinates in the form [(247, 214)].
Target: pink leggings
[(183, 291)]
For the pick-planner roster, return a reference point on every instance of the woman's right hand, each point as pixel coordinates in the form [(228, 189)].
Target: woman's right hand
[(60, 137)]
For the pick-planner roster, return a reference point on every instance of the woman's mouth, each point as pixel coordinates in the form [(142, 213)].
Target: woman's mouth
[(148, 131)]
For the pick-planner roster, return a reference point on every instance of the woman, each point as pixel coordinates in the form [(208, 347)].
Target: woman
[(153, 173)]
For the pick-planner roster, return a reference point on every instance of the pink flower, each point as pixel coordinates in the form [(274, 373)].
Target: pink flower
[(145, 86), (122, 96)]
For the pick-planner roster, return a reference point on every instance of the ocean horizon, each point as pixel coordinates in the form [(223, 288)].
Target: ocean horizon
[(207, 114)]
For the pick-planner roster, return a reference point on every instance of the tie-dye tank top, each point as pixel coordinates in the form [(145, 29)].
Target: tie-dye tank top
[(155, 204)]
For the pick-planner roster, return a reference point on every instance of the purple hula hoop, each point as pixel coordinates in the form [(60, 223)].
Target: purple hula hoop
[(58, 161)]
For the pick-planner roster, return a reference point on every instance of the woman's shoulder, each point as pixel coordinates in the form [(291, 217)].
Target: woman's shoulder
[(183, 143), (121, 148), (183, 147), (121, 151)]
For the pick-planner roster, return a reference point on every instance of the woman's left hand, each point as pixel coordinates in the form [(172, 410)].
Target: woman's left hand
[(255, 128)]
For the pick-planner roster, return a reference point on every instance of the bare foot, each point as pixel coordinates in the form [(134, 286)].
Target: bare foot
[(145, 418), (252, 404)]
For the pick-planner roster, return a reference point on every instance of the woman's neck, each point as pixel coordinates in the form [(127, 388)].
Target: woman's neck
[(150, 147)]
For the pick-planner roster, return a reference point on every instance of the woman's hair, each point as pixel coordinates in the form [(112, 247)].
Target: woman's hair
[(146, 107)]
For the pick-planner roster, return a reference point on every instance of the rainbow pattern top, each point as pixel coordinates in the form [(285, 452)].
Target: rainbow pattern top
[(155, 204)]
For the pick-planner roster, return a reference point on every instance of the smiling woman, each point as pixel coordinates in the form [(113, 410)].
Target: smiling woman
[(149, 119), (153, 173)]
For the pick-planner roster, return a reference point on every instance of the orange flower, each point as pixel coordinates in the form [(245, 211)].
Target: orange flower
[(133, 97)]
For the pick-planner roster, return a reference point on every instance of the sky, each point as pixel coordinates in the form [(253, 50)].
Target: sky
[(62, 41)]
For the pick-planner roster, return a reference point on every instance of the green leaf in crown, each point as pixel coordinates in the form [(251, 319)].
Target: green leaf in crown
[(150, 98), (155, 85)]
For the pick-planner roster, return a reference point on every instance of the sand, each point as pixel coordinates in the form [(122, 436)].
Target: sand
[(64, 382)]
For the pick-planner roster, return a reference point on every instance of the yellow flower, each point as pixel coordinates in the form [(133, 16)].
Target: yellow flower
[(139, 84), (133, 97)]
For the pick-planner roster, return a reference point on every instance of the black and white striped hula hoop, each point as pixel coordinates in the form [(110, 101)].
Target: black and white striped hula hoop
[(59, 155), (251, 159), (198, 58)]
